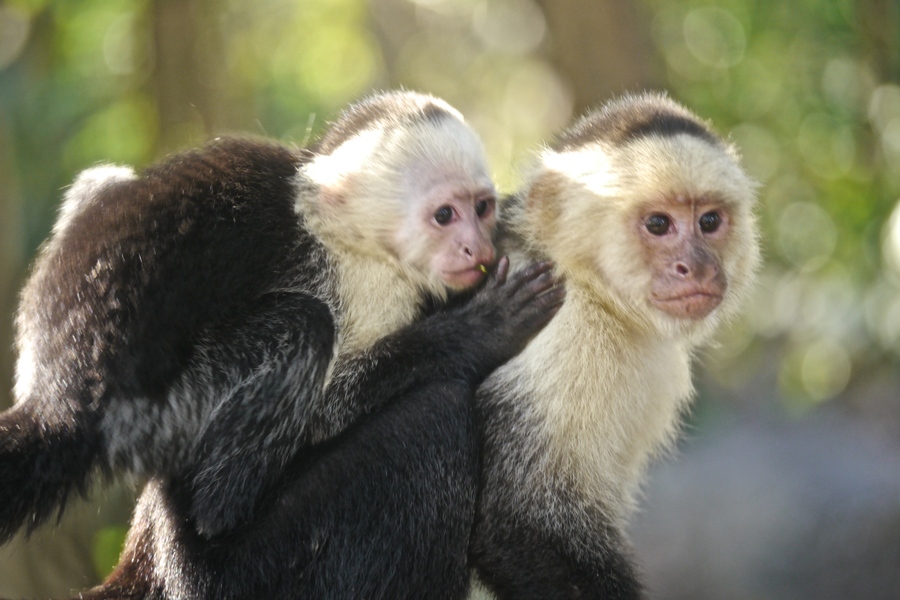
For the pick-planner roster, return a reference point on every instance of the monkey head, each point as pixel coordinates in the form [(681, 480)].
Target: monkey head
[(407, 180), (643, 202)]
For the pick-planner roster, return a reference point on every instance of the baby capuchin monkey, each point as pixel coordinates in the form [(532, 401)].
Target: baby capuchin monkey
[(203, 320), (649, 219)]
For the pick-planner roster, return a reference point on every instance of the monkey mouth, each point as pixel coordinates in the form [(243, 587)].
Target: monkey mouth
[(693, 305), (465, 278)]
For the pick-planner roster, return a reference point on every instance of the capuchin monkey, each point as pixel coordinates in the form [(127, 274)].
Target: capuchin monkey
[(649, 219), (383, 510), (202, 321)]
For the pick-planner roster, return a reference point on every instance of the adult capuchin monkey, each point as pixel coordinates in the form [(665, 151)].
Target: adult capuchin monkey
[(385, 509), (649, 219), (182, 322)]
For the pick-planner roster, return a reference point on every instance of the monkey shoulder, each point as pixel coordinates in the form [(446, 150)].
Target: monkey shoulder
[(149, 259), (226, 210)]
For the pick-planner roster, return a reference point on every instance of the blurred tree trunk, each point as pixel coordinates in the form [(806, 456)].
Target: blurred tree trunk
[(879, 35), (602, 47), (188, 70)]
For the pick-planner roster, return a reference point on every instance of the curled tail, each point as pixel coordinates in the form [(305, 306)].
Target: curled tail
[(41, 464)]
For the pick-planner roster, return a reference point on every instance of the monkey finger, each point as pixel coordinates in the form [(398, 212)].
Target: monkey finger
[(554, 298), (540, 285), (549, 298), (501, 271), (545, 307), (529, 274)]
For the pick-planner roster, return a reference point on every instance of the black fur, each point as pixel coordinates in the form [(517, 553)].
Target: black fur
[(385, 509), (538, 538), (522, 560), (181, 323), (154, 300)]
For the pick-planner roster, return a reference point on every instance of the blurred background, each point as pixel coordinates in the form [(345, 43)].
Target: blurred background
[(787, 481)]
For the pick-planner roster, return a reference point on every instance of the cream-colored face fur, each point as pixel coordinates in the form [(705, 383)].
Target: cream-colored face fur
[(450, 205), (406, 208), (606, 195), (417, 195)]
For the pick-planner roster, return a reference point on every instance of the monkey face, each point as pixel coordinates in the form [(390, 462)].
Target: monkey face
[(449, 204), (449, 235), (682, 240), (660, 228), (686, 210), (414, 193)]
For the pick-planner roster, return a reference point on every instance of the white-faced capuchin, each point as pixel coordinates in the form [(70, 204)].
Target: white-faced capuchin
[(649, 219)]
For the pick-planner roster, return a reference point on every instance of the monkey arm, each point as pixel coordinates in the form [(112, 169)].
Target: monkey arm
[(268, 372), (523, 560), (441, 347)]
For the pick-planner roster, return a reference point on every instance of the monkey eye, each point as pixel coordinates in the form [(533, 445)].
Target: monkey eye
[(483, 207), (657, 224), (710, 221), (443, 215)]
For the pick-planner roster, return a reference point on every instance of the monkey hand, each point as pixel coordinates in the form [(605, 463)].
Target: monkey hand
[(510, 310), (464, 343)]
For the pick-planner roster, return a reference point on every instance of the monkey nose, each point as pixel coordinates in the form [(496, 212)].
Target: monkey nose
[(482, 254), (696, 271)]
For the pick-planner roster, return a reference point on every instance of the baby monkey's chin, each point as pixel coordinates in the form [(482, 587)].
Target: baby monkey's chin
[(465, 279)]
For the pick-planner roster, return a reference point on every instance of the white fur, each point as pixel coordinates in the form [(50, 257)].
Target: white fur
[(598, 393), (26, 368), (381, 280), (331, 170), (85, 188), (377, 297), (609, 410)]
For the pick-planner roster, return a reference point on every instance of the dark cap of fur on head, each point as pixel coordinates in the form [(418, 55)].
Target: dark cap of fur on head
[(397, 108), (634, 117)]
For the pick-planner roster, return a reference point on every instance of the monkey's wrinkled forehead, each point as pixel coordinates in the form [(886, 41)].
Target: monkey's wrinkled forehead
[(423, 143), (388, 111), (632, 118), (643, 143)]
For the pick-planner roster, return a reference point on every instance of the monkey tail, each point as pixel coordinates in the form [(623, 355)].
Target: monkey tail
[(41, 465)]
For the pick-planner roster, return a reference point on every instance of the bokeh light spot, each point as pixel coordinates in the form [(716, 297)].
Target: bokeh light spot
[(715, 37), (807, 235)]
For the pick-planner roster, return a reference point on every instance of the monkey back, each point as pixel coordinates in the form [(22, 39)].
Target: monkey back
[(144, 264)]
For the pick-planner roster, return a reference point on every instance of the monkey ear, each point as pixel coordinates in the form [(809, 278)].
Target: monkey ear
[(543, 203)]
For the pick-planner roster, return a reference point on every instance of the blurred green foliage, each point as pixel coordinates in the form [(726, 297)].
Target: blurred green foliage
[(106, 548)]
